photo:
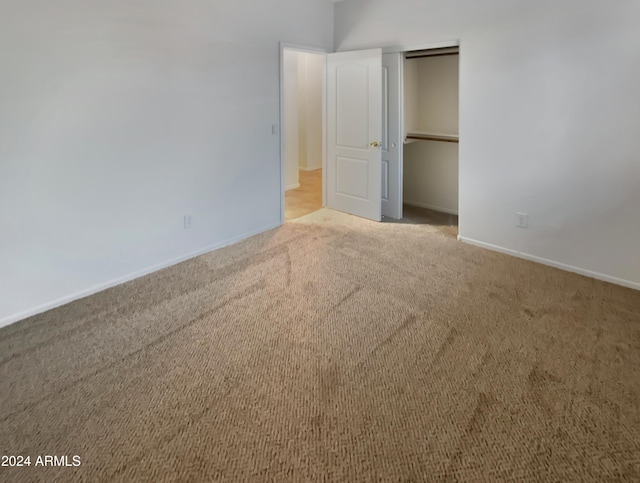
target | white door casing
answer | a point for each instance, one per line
(392, 142)
(354, 131)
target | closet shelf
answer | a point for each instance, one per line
(447, 138)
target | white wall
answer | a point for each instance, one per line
(410, 95)
(548, 120)
(311, 75)
(291, 117)
(120, 117)
(438, 88)
(430, 175)
(302, 110)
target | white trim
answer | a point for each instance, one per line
(302, 48)
(127, 278)
(401, 131)
(281, 129)
(431, 207)
(293, 187)
(313, 168)
(460, 128)
(552, 263)
(324, 132)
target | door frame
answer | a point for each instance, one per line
(308, 50)
(402, 49)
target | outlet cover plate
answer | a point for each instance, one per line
(522, 220)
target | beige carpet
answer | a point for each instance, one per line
(332, 349)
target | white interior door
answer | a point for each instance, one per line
(354, 131)
(392, 142)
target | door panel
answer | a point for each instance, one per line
(353, 176)
(354, 117)
(385, 107)
(391, 136)
(385, 181)
(352, 106)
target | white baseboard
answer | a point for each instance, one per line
(127, 278)
(292, 187)
(431, 207)
(552, 263)
(314, 168)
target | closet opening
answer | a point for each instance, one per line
(302, 131)
(431, 136)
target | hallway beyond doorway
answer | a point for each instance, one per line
(306, 199)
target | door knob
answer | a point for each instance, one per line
(375, 144)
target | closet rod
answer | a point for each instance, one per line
(432, 55)
(433, 137)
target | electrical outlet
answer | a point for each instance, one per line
(522, 220)
(187, 221)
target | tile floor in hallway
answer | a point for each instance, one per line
(306, 199)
